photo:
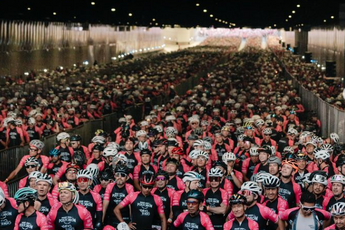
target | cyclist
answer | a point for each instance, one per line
(43, 184)
(145, 165)
(28, 217)
(338, 214)
(106, 178)
(66, 152)
(31, 165)
(8, 211)
(76, 145)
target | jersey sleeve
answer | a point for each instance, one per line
(298, 191)
(128, 199)
(98, 201)
(22, 161)
(176, 199)
(245, 165)
(61, 171)
(129, 188)
(4, 188)
(253, 225)
(42, 221)
(282, 205)
(51, 219)
(322, 214)
(206, 221)
(107, 192)
(45, 161)
(22, 183)
(285, 215)
(16, 223)
(159, 204)
(136, 171)
(55, 192)
(87, 219)
(179, 219)
(269, 214)
(225, 197)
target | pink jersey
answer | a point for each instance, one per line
(202, 219)
(40, 221)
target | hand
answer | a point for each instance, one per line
(131, 225)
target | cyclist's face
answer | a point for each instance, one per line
(273, 168)
(170, 168)
(96, 153)
(65, 196)
(263, 156)
(238, 210)
(309, 148)
(21, 207)
(32, 183)
(30, 169)
(201, 161)
(33, 151)
(194, 185)
(71, 175)
(129, 145)
(145, 158)
(104, 183)
(286, 170)
(192, 205)
(318, 188)
(120, 179)
(271, 193)
(42, 188)
(339, 221)
(83, 184)
(142, 138)
(301, 164)
(337, 188)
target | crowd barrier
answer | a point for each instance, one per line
(332, 119)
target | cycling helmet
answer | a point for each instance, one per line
(76, 137)
(251, 186)
(319, 178)
(158, 128)
(120, 168)
(338, 178)
(31, 161)
(254, 151)
(228, 156)
(85, 174)
(107, 175)
(274, 159)
(122, 226)
(292, 131)
(37, 144)
(203, 154)
(259, 122)
(207, 145)
(142, 145)
(215, 172)
(141, 133)
(120, 158)
(2, 198)
(25, 194)
(267, 131)
(170, 131)
(44, 177)
(62, 136)
(306, 178)
(334, 137)
(18, 122)
(98, 140)
(191, 176)
(145, 151)
(93, 169)
(194, 154)
(328, 147)
(54, 152)
(267, 149)
(109, 152)
(338, 209)
(238, 199)
(72, 166)
(147, 178)
(195, 194)
(34, 175)
(288, 150)
(271, 182)
(98, 147)
(31, 121)
(313, 143)
(113, 145)
(261, 176)
(198, 143)
(178, 151)
(321, 154)
(273, 150)
(290, 162)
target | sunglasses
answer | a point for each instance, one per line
(160, 178)
(120, 174)
(194, 123)
(192, 202)
(82, 179)
(217, 179)
(33, 150)
(106, 180)
(72, 171)
(308, 209)
(147, 187)
(30, 166)
(245, 192)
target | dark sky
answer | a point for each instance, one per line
(183, 12)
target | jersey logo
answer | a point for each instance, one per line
(191, 226)
(67, 220)
(26, 225)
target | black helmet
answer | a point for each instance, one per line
(238, 199)
(75, 137)
(79, 158)
(107, 174)
(121, 168)
(98, 147)
(341, 161)
(172, 161)
(196, 194)
(145, 151)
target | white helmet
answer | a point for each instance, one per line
(2, 198)
(334, 137)
(122, 226)
(85, 174)
(202, 154)
(159, 128)
(228, 156)
(327, 147)
(44, 177)
(109, 152)
(93, 168)
(98, 139)
(306, 178)
(170, 131)
(259, 122)
(338, 178)
(288, 149)
(261, 176)
(338, 209)
(198, 143)
(31, 121)
(119, 157)
(191, 176)
(62, 136)
(271, 182)
(194, 154)
(318, 178)
(207, 145)
(113, 145)
(34, 174)
(143, 145)
(140, 133)
(37, 143)
(215, 172)
(254, 151)
(267, 131)
(251, 186)
(292, 131)
(321, 154)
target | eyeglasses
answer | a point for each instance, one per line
(217, 179)
(307, 209)
(192, 202)
(30, 166)
(147, 186)
(160, 178)
(120, 174)
(33, 150)
(82, 179)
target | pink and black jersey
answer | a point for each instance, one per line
(176, 183)
(246, 224)
(36, 221)
(93, 203)
(47, 204)
(8, 214)
(199, 222)
(144, 209)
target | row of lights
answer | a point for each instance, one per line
(293, 12)
(138, 51)
(217, 19)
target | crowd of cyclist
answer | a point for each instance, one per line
(236, 152)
